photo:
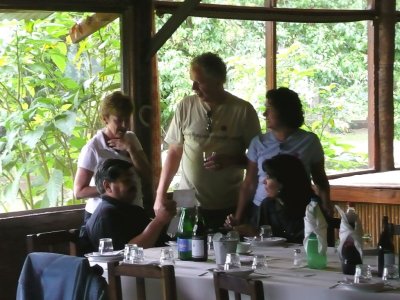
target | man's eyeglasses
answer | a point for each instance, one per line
(209, 121)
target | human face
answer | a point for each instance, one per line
(124, 188)
(116, 125)
(271, 115)
(272, 187)
(204, 86)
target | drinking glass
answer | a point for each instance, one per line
(390, 272)
(127, 251)
(137, 255)
(265, 232)
(362, 273)
(259, 263)
(207, 155)
(106, 246)
(232, 261)
(167, 256)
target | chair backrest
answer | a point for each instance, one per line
(54, 276)
(396, 229)
(224, 282)
(60, 241)
(165, 273)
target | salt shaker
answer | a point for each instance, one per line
(297, 257)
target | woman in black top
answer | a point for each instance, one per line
(289, 191)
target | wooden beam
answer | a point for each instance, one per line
(385, 43)
(90, 25)
(137, 29)
(270, 49)
(365, 194)
(66, 5)
(180, 15)
(269, 14)
(373, 89)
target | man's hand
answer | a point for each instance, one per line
(231, 221)
(166, 212)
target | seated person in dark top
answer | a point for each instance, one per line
(289, 192)
(116, 217)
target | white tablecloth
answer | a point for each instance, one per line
(284, 281)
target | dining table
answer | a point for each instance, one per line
(282, 280)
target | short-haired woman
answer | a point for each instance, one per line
(113, 141)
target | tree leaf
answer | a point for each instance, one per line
(54, 186)
(66, 122)
(31, 138)
(59, 61)
(11, 190)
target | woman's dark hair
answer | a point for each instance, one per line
(288, 106)
(211, 64)
(110, 170)
(296, 189)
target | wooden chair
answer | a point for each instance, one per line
(224, 282)
(54, 241)
(165, 273)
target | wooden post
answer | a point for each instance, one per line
(381, 60)
(137, 78)
(270, 49)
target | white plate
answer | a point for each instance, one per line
(97, 256)
(367, 287)
(240, 272)
(246, 259)
(246, 252)
(171, 244)
(272, 241)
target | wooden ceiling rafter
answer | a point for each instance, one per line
(64, 5)
(270, 14)
(90, 25)
(180, 14)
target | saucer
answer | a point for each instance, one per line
(248, 252)
(242, 272)
(366, 286)
(272, 241)
(105, 257)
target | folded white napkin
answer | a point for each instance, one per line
(314, 221)
(346, 230)
(183, 198)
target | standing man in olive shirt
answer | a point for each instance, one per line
(214, 122)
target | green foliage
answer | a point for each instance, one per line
(49, 108)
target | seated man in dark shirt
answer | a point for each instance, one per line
(116, 217)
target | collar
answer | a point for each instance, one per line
(114, 201)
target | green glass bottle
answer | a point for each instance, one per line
(315, 260)
(199, 238)
(184, 234)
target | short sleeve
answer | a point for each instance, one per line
(87, 158)
(252, 125)
(174, 133)
(317, 150)
(252, 150)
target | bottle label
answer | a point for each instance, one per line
(184, 245)
(388, 258)
(197, 248)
